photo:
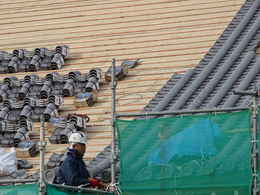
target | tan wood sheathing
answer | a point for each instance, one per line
(168, 35)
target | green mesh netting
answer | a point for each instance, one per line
(53, 190)
(25, 189)
(202, 154)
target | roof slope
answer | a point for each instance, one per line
(232, 63)
(169, 36)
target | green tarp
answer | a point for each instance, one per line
(205, 154)
(199, 154)
(25, 189)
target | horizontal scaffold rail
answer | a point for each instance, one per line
(7, 181)
(120, 115)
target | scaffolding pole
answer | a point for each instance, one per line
(77, 189)
(113, 113)
(15, 181)
(254, 137)
(146, 114)
(42, 151)
(254, 147)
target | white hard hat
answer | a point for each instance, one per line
(78, 137)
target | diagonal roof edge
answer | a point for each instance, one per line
(235, 34)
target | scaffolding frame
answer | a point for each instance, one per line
(254, 129)
(15, 181)
(115, 115)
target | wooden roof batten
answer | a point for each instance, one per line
(171, 37)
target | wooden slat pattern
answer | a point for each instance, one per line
(168, 35)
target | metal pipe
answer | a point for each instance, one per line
(78, 189)
(254, 137)
(7, 181)
(113, 151)
(42, 151)
(180, 112)
(254, 146)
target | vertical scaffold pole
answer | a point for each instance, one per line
(113, 153)
(255, 145)
(42, 151)
(254, 137)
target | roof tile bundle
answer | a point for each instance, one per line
(64, 127)
(16, 117)
(21, 60)
(26, 100)
(68, 85)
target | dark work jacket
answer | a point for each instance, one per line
(73, 171)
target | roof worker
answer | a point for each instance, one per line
(73, 171)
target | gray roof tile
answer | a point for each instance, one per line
(230, 64)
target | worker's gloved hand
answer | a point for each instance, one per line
(94, 182)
